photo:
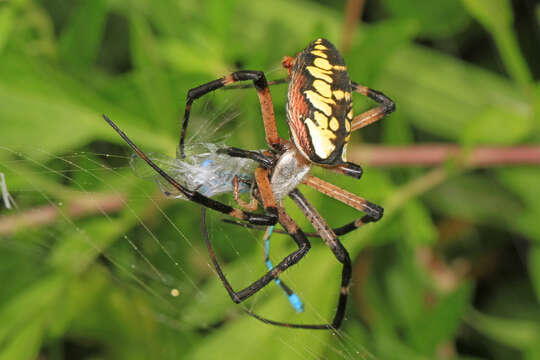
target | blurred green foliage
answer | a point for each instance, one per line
(452, 270)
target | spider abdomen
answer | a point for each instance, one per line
(319, 103)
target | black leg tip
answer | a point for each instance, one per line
(352, 170)
(373, 212)
(390, 107)
(345, 229)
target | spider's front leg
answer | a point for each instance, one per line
(366, 118)
(387, 106)
(264, 160)
(263, 92)
(270, 218)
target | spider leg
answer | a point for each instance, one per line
(341, 255)
(294, 299)
(270, 218)
(263, 91)
(248, 86)
(252, 205)
(266, 196)
(263, 228)
(265, 190)
(294, 231)
(387, 106)
(349, 169)
(342, 230)
(373, 212)
(265, 161)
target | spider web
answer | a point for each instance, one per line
(126, 227)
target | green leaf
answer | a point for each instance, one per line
(7, 17)
(497, 126)
(441, 95)
(38, 100)
(418, 225)
(532, 353)
(515, 333)
(26, 342)
(440, 324)
(493, 14)
(192, 58)
(473, 198)
(375, 45)
(497, 17)
(80, 41)
(319, 301)
(534, 268)
(523, 181)
(404, 289)
(441, 18)
(152, 81)
(30, 304)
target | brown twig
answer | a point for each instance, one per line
(79, 207)
(429, 155)
(373, 155)
(353, 14)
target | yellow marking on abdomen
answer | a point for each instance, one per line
(321, 139)
(320, 102)
(321, 119)
(338, 94)
(344, 153)
(320, 47)
(319, 53)
(334, 124)
(322, 64)
(322, 88)
(320, 74)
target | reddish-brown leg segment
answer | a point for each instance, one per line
(373, 212)
(265, 190)
(369, 117)
(263, 92)
(252, 205)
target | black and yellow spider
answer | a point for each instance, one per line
(320, 119)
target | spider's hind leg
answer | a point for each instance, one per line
(341, 255)
(373, 211)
